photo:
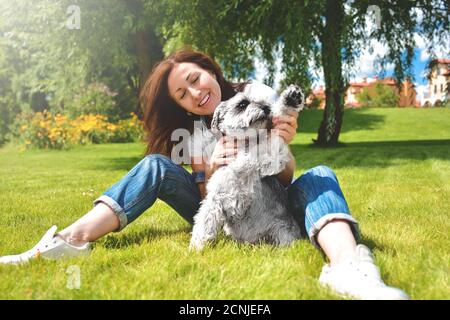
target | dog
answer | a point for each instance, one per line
(245, 198)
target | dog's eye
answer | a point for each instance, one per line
(243, 104)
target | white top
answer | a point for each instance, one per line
(203, 140)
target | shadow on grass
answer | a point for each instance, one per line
(371, 154)
(137, 238)
(123, 163)
(353, 154)
(400, 143)
(129, 239)
(354, 120)
(372, 245)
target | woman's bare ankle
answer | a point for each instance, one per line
(95, 224)
(73, 239)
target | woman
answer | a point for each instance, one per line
(188, 86)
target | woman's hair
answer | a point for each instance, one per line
(162, 115)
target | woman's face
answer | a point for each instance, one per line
(194, 89)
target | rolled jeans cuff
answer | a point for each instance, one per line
(322, 222)
(116, 208)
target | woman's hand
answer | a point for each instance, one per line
(224, 153)
(286, 126)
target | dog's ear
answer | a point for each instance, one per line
(218, 117)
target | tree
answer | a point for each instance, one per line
(326, 33)
(116, 45)
(120, 40)
(381, 96)
(8, 109)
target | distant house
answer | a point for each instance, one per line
(407, 92)
(317, 98)
(355, 88)
(438, 80)
(407, 95)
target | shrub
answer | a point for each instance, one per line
(315, 103)
(96, 98)
(128, 130)
(45, 130)
(92, 128)
(381, 96)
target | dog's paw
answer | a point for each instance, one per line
(293, 97)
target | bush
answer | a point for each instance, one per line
(96, 98)
(129, 130)
(45, 130)
(381, 96)
(315, 103)
(92, 128)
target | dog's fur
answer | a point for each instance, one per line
(245, 197)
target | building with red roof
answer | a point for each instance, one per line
(438, 82)
(407, 92)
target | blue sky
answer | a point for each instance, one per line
(365, 66)
(418, 68)
(419, 65)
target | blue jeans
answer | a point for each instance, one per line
(315, 198)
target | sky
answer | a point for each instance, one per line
(365, 65)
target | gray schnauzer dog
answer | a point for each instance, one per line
(245, 198)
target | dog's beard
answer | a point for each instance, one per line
(256, 124)
(262, 122)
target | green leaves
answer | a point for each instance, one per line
(48, 57)
(381, 96)
(120, 40)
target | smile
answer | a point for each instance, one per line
(204, 101)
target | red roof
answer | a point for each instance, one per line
(388, 81)
(443, 60)
(318, 92)
(359, 84)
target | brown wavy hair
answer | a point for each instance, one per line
(162, 115)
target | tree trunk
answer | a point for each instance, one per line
(330, 126)
(148, 51)
(146, 46)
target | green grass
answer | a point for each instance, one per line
(394, 168)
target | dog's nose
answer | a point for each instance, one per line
(266, 110)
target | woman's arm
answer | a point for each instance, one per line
(198, 165)
(285, 176)
(286, 128)
(224, 153)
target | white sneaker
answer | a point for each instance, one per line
(49, 247)
(359, 277)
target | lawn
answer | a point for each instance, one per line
(394, 168)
